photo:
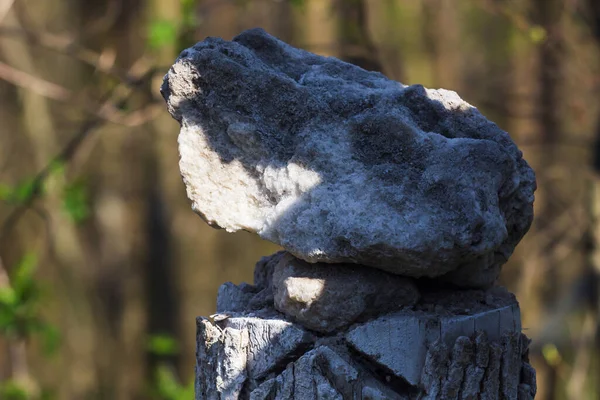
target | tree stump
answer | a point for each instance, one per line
(450, 344)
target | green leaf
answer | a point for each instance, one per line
(50, 339)
(162, 345)
(24, 191)
(7, 320)
(188, 14)
(75, 201)
(187, 392)
(22, 277)
(50, 394)
(166, 383)
(297, 3)
(162, 33)
(6, 192)
(8, 297)
(537, 34)
(551, 354)
(10, 390)
(57, 167)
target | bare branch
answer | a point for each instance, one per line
(60, 93)
(113, 99)
(5, 6)
(68, 46)
(33, 83)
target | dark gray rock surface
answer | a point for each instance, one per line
(337, 164)
(326, 298)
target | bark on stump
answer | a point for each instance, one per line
(452, 344)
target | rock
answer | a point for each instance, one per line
(263, 270)
(400, 342)
(340, 165)
(326, 298)
(245, 297)
(235, 298)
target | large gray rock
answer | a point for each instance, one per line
(338, 164)
(326, 298)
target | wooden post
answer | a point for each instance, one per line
(453, 344)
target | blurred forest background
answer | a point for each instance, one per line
(104, 266)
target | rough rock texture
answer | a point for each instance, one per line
(326, 298)
(338, 164)
(245, 297)
(253, 357)
(320, 298)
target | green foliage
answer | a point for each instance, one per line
(20, 304)
(5, 192)
(169, 388)
(75, 201)
(166, 386)
(551, 354)
(11, 390)
(162, 33)
(74, 194)
(298, 3)
(57, 167)
(188, 14)
(162, 345)
(537, 34)
(19, 194)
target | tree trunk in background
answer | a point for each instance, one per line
(386, 20)
(546, 13)
(594, 15)
(65, 247)
(319, 28)
(441, 35)
(356, 45)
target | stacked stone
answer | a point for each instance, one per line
(396, 206)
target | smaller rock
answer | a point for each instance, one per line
(245, 297)
(234, 298)
(263, 271)
(326, 297)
